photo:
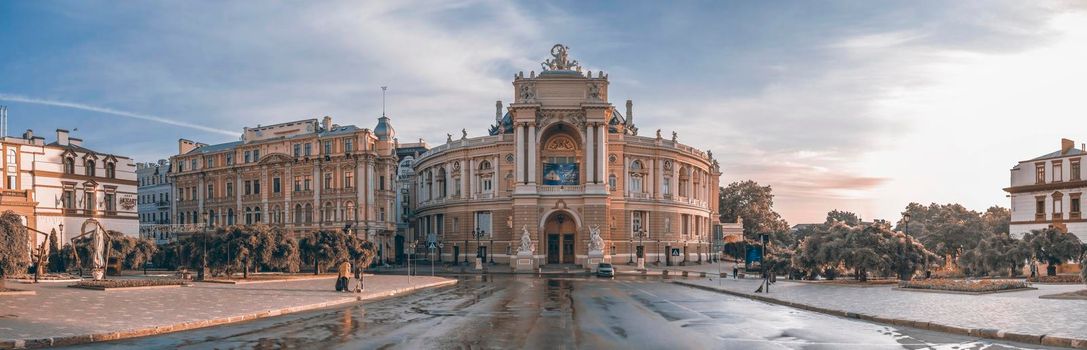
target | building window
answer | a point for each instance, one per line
(180, 166)
(275, 185)
(209, 162)
(1075, 175)
(328, 181)
(349, 211)
(256, 155)
(667, 186)
(68, 199)
(1039, 173)
(111, 170)
(229, 159)
(247, 156)
(12, 156)
(306, 180)
(381, 214)
(686, 222)
(348, 179)
(1058, 173)
(12, 182)
(328, 147)
(298, 216)
(211, 191)
(348, 145)
(381, 183)
(256, 186)
(247, 189)
(483, 222)
(89, 201)
(611, 182)
(308, 149)
(248, 216)
(297, 183)
(297, 150)
(229, 189)
(637, 220)
(192, 164)
(308, 211)
(256, 215)
(89, 167)
(326, 212)
(1074, 205)
(1039, 207)
(1058, 206)
(667, 225)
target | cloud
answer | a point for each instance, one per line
(139, 116)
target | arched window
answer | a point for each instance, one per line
(111, 170)
(308, 211)
(484, 165)
(636, 176)
(230, 216)
(684, 179)
(611, 182)
(256, 215)
(441, 183)
(211, 217)
(248, 216)
(328, 212)
(298, 215)
(12, 157)
(349, 211)
(89, 167)
(69, 165)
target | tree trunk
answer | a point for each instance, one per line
(1051, 270)
(245, 273)
(316, 267)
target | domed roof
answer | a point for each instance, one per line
(384, 130)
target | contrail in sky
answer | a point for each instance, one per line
(86, 107)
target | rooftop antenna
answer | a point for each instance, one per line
(383, 88)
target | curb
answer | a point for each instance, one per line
(184, 326)
(988, 333)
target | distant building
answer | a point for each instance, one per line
(155, 206)
(302, 176)
(65, 183)
(1047, 191)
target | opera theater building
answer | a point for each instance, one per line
(564, 178)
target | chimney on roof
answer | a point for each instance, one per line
(326, 123)
(75, 142)
(1067, 145)
(28, 135)
(62, 137)
(630, 112)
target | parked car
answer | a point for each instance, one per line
(605, 270)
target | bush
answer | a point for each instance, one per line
(966, 285)
(132, 283)
(14, 252)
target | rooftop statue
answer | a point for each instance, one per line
(560, 60)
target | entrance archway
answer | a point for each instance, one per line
(560, 233)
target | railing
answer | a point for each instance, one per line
(475, 141)
(560, 189)
(14, 193)
(638, 195)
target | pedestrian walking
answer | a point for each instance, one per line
(735, 271)
(358, 278)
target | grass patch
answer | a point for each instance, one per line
(955, 285)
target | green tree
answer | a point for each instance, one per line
(14, 246)
(56, 257)
(1053, 247)
(755, 204)
(286, 255)
(324, 248)
(845, 217)
(997, 255)
(948, 229)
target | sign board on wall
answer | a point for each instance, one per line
(555, 174)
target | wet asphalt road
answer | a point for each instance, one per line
(525, 312)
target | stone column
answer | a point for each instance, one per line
(602, 151)
(532, 153)
(590, 169)
(318, 181)
(265, 186)
(464, 179)
(519, 141)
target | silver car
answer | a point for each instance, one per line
(605, 270)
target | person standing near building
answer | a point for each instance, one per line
(358, 278)
(343, 277)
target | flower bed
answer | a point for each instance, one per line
(130, 283)
(978, 286)
(1058, 279)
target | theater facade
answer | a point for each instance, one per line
(559, 163)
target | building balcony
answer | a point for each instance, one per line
(560, 189)
(638, 195)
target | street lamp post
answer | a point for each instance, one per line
(630, 245)
(490, 254)
(658, 252)
(204, 257)
(902, 250)
(479, 233)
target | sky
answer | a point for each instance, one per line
(850, 105)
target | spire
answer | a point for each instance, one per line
(630, 112)
(384, 129)
(383, 88)
(498, 112)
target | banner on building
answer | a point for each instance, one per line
(556, 174)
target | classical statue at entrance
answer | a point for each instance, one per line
(526, 242)
(596, 243)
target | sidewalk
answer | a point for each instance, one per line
(59, 315)
(1016, 316)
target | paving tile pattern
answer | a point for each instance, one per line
(58, 311)
(1019, 312)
